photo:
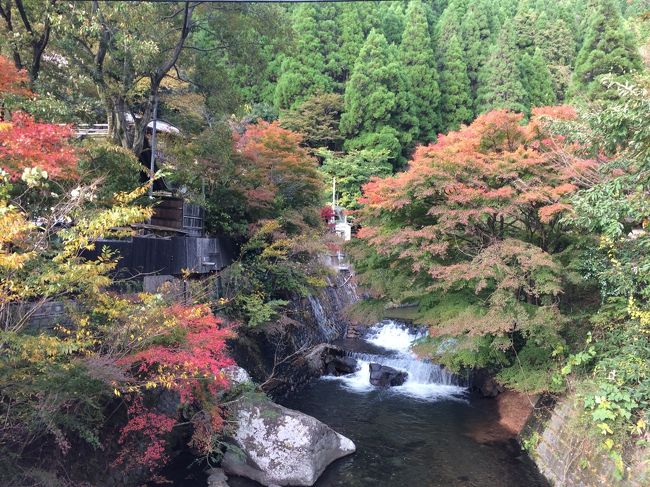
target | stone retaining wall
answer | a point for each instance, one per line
(566, 454)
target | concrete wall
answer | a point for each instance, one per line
(567, 455)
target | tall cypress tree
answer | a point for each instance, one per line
(417, 57)
(352, 37)
(456, 97)
(607, 47)
(536, 80)
(391, 17)
(375, 110)
(557, 44)
(303, 73)
(476, 34)
(450, 21)
(524, 25)
(500, 85)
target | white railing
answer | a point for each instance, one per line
(94, 130)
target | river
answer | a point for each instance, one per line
(425, 433)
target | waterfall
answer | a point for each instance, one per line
(420, 372)
(324, 324)
(426, 380)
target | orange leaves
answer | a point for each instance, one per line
(25, 143)
(479, 210)
(547, 213)
(276, 170)
(496, 167)
(12, 81)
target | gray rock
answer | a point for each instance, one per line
(236, 374)
(384, 376)
(341, 366)
(217, 478)
(280, 446)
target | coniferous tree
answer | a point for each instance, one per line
(557, 44)
(352, 37)
(456, 96)
(536, 79)
(450, 21)
(607, 47)
(524, 25)
(304, 73)
(375, 109)
(476, 34)
(500, 85)
(417, 57)
(391, 18)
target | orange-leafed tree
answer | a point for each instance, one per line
(276, 171)
(479, 212)
(12, 80)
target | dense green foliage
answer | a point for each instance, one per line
(520, 236)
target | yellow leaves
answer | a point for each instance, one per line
(640, 427)
(14, 229)
(637, 313)
(124, 198)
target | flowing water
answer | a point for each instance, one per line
(420, 434)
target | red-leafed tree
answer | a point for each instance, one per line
(480, 210)
(25, 143)
(190, 361)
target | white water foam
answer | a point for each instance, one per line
(426, 381)
(394, 336)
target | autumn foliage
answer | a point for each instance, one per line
(277, 172)
(190, 362)
(12, 81)
(481, 209)
(26, 143)
(193, 366)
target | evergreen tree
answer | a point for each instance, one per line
(450, 21)
(456, 98)
(391, 16)
(607, 47)
(557, 44)
(536, 80)
(524, 25)
(417, 57)
(303, 73)
(476, 33)
(352, 37)
(500, 85)
(375, 109)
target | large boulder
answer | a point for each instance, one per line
(341, 366)
(280, 446)
(384, 376)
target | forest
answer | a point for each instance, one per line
(491, 156)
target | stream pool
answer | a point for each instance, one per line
(422, 434)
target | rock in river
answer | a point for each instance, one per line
(280, 446)
(341, 366)
(384, 376)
